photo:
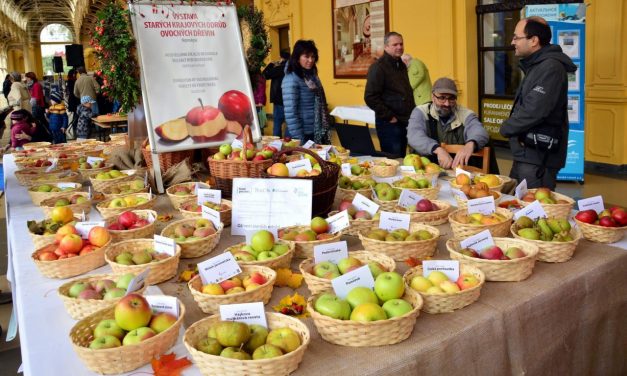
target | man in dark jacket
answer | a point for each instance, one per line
(538, 124)
(275, 71)
(389, 94)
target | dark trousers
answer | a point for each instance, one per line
(278, 118)
(537, 176)
(392, 137)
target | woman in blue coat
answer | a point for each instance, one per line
(304, 102)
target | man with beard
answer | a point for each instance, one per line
(444, 121)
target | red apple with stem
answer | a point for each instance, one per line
(236, 107)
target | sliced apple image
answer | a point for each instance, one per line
(173, 130)
(206, 123)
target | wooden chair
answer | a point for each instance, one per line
(483, 153)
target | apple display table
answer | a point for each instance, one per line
(354, 113)
(564, 319)
(109, 124)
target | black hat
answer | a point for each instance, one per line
(19, 115)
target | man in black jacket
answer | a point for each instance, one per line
(275, 71)
(389, 94)
(538, 124)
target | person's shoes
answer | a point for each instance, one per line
(5, 298)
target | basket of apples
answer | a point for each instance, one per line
(263, 250)
(44, 232)
(70, 255)
(125, 188)
(347, 188)
(125, 336)
(429, 212)
(554, 204)
(179, 193)
(78, 202)
(39, 193)
(235, 348)
(386, 196)
(196, 236)
(318, 276)
(419, 242)
(86, 295)
(465, 225)
(606, 227)
(505, 261)
(361, 320)
(440, 293)
(25, 177)
(68, 161)
(132, 224)
(135, 255)
(358, 219)
(421, 186)
(191, 209)
(87, 169)
(384, 167)
(493, 182)
(114, 206)
(305, 238)
(104, 180)
(422, 167)
(254, 284)
(555, 238)
(39, 165)
(64, 177)
(473, 191)
(36, 145)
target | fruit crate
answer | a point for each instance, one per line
(402, 250)
(160, 271)
(73, 266)
(553, 251)
(195, 248)
(282, 261)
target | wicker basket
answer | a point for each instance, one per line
(97, 152)
(556, 210)
(496, 188)
(402, 250)
(24, 177)
(87, 173)
(69, 163)
(36, 145)
(124, 358)
(356, 225)
(48, 205)
(101, 185)
(303, 250)
(387, 170)
(106, 211)
(463, 204)
(195, 248)
(385, 205)
(211, 303)
(37, 197)
(444, 302)
(40, 241)
(160, 271)
(211, 365)
(70, 267)
(553, 251)
(81, 308)
(601, 234)
(500, 270)
(225, 215)
(167, 160)
(283, 261)
(138, 233)
(362, 334)
(463, 230)
(107, 195)
(66, 177)
(317, 285)
(177, 200)
(343, 194)
(428, 193)
(432, 218)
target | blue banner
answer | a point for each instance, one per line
(574, 157)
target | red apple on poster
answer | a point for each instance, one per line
(205, 123)
(236, 107)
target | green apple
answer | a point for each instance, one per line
(280, 249)
(348, 264)
(44, 188)
(232, 334)
(117, 203)
(103, 176)
(266, 255)
(258, 335)
(115, 174)
(437, 277)
(114, 293)
(262, 240)
(284, 338)
(360, 295)
(141, 257)
(124, 258)
(108, 327)
(226, 149)
(124, 280)
(267, 352)
(105, 342)
(396, 307)
(209, 346)
(326, 269)
(332, 306)
(132, 312)
(77, 288)
(135, 336)
(367, 312)
(376, 269)
(235, 353)
(389, 285)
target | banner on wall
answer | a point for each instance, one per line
(574, 157)
(494, 112)
(195, 86)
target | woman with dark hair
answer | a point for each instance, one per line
(6, 87)
(305, 104)
(72, 101)
(38, 103)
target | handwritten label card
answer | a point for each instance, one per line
(483, 205)
(408, 198)
(53, 166)
(333, 252)
(323, 153)
(392, 221)
(478, 241)
(209, 195)
(212, 215)
(408, 169)
(137, 282)
(521, 189)
(218, 268)
(237, 144)
(83, 228)
(448, 267)
(459, 171)
(533, 211)
(63, 185)
(301, 164)
(277, 144)
(343, 284)
(338, 222)
(361, 202)
(163, 244)
(595, 203)
(248, 313)
(434, 181)
(92, 160)
(163, 303)
(309, 144)
(458, 193)
(346, 169)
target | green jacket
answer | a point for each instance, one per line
(420, 81)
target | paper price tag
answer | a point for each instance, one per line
(218, 269)
(55, 162)
(83, 228)
(301, 164)
(163, 304)
(595, 203)
(333, 252)
(324, 153)
(478, 241)
(237, 144)
(309, 144)
(66, 185)
(89, 192)
(533, 211)
(249, 234)
(521, 189)
(338, 222)
(212, 215)
(208, 195)
(458, 193)
(249, 313)
(150, 218)
(408, 198)
(389, 179)
(459, 171)
(434, 181)
(278, 144)
(361, 202)
(343, 284)
(346, 169)
(448, 267)
(409, 169)
(392, 221)
(163, 244)
(137, 282)
(92, 160)
(483, 205)
(83, 217)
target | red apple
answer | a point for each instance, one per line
(71, 243)
(128, 219)
(132, 312)
(47, 256)
(607, 222)
(587, 216)
(424, 205)
(492, 253)
(139, 224)
(620, 216)
(236, 106)
(116, 226)
(205, 124)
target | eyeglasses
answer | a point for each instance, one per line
(516, 37)
(445, 99)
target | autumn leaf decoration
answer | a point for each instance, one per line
(168, 365)
(285, 277)
(294, 305)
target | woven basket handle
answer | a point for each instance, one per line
(277, 156)
(248, 137)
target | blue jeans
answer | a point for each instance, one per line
(392, 137)
(278, 118)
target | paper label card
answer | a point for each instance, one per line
(478, 241)
(361, 202)
(301, 164)
(595, 203)
(324, 153)
(137, 282)
(333, 252)
(459, 171)
(533, 211)
(163, 304)
(346, 169)
(343, 284)
(374, 193)
(483, 205)
(83, 217)
(237, 144)
(150, 218)
(92, 160)
(249, 234)
(89, 192)
(408, 198)
(458, 193)
(521, 189)
(209, 195)
(83, 228)
(448, 267)
(248, 313)
(277, 144)
(218, 268)
(392, 221)
(163, 244)
(146, 182)
(409, 169)
(55, 162)
(338, 222)
(388, 179)
(308, 144)
(211, 214)
(66, 185)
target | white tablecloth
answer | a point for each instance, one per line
(354, 113)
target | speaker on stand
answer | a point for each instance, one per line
(74, 55)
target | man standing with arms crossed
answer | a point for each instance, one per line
(538, 124)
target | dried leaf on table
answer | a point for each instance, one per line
(413, 262)
(293, 305)
(168, 365)
(187, 275)
(285, 277)
(165, 217)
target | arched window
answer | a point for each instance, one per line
(53, 39)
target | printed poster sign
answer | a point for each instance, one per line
(493, 113)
